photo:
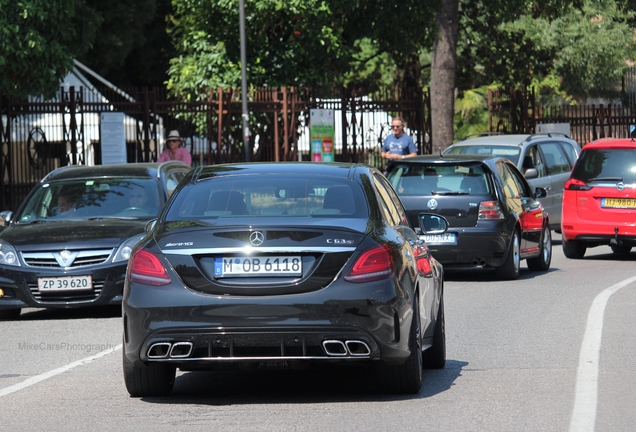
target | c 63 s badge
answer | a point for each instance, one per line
(339, 241)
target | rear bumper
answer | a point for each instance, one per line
(599, 232)
(372, 318)
(474, 249)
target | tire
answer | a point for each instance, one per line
(510, 268)
(156, 379)
(435, 356)
(542, 262)
(573, 249)
(9, 314)
(407, 377)
(621, 249)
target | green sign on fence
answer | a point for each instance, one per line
(322, 130)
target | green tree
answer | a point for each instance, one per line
(298, 42)
(586, 47)
(567, 53)
(39, 40)
(132, 46)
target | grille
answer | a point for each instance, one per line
(50, 259)
(66, 296)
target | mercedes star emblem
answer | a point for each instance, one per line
(257, 238)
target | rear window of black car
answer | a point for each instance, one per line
(602, 164)
(272, 195)
(430, 179)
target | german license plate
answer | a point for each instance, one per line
(258, 266)
(618, 202)
(440, 239)
(65, 283)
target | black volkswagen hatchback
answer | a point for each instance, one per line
(68, 244)
(285, 264)
(495, 219)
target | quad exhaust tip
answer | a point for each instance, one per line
(337, 348)
(161, 350)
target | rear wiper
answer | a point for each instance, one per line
(449, 193)
(616, 179)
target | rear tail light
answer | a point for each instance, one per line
(374, 264)
(575, 184)
(146, 268)
(423, 259)
(489, 210)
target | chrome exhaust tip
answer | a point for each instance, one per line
(334, 348)
(358, 348)
(159, 350)
(181, 350)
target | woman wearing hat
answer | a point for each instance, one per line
(174, 150)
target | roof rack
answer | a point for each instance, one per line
(548, 134)
(481, 134)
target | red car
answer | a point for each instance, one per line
(599, 201)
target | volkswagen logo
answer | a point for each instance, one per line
(432, 204)
(620, 186)
(257, 238)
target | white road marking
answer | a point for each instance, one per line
(36, 379)
(584, 412)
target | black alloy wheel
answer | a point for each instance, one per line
(510, 268)
(542, 262)
(407, 377)
(573, 249)
(435, 356)
(155, 379)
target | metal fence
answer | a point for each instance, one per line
(514, 111)
(38, 136)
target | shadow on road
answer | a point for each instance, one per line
(96, 312)
(320, 385)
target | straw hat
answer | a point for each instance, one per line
(174, 135)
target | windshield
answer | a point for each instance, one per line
(275, 195)
(510, 153)
(80, 199)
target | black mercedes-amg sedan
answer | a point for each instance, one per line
(282, 264)
(68, 244)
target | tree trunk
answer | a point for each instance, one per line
(443, 75)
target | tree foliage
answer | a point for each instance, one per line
(38, 41)
(585, 44)
(132, 46)
(298, 42)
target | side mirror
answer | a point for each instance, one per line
(540, 192)
(432, 223)
(5, 217)
(531, 173)
(150, 225)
